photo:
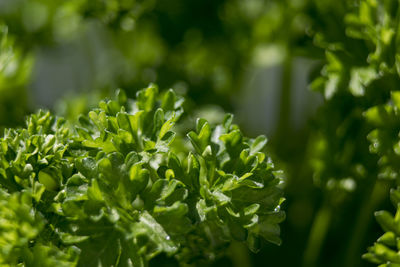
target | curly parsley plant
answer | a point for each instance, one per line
(117, 188)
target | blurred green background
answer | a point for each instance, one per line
(253, 58)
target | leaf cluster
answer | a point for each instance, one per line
(116, 188)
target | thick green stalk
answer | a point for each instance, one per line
(239, 255)
(317, 236)
(373, 195)
(285, 100)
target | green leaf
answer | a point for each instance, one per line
(386, 220)
(201, 140)
(139, 177)
(156, 233)
(49, 180)
(168, 102)
(258, 144)
(147, 98)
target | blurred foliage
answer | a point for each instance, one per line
(360, 74)
(385, 143)
(15, 69)
(129, 43)
(155, 41)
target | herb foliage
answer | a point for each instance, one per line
(117, 188)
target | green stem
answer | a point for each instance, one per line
(317, 236)
(283, 124)
(373, 195)
(239, 255)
